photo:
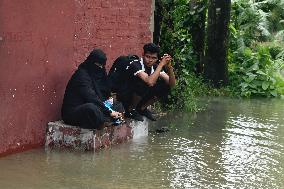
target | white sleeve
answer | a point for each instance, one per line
(138, 72)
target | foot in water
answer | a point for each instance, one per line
(162, 130)
(147, 114)
(134, 115)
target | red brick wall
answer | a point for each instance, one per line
(116, 26)
(42, 42)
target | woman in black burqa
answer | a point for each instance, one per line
(85, 93)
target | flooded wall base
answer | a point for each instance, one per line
(60, 135)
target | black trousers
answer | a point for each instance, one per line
(160, 90)
(87, 116)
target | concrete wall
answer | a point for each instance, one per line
(42, 42)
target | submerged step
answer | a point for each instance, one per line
(61, 135)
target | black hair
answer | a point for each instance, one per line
(151, 48)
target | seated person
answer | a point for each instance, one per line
(86, 91)
(146, 82)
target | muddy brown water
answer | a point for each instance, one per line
(232, 144)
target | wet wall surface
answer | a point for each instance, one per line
(42, 43)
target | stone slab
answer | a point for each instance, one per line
(61, 135)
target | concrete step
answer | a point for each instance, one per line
(61, 135)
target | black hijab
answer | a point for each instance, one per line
(95, 66)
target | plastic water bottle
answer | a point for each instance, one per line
(109, 103)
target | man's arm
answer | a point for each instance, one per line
(152, 79)
(169, 77)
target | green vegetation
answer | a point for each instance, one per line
(174, 30)
(256, 47)
(255, 55)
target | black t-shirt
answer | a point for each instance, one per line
(131, 82)
(138, 66)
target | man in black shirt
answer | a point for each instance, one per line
(148, 81)
(86, 91)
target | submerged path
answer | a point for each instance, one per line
(232, 144)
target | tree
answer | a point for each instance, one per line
(198, 9)
(216, 66)
(162, 19)
(158, 17)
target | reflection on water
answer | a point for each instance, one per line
(233, 144)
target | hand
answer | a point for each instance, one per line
(115, 114)
(166, 59)
(169, 66)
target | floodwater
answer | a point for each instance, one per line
(232, 144)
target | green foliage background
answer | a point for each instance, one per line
(176, 40)
(255, 54)
(256, 48)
